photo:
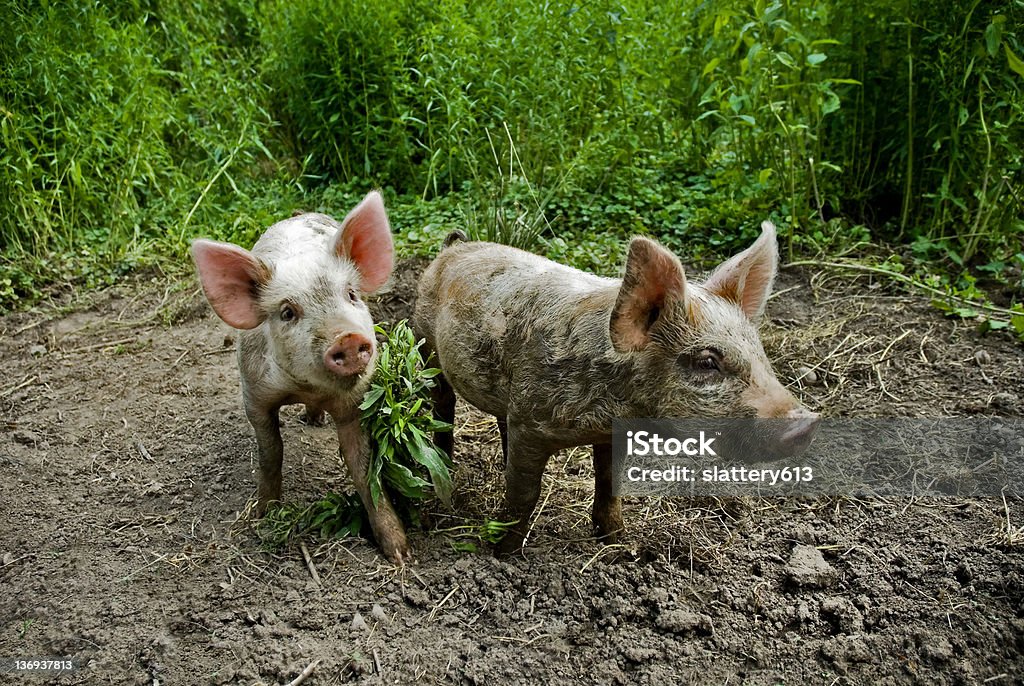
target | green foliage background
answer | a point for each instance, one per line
(126, 128)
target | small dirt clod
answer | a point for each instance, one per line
(684, 621)
(807, 568)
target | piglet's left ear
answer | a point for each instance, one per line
(746, 279)
(365, 238)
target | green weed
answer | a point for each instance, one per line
(467, 537)
(333, 516)
(396, 414)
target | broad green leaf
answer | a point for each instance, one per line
(816, 58)
(1015, 62)
(964, 312)
(710, 66)
(322, 517)
(830, 104)
(374, 479)
(428, 456)
(992, 325)
(401, 479)
(371, 397)
(994, 267)
(785, 59)
(753, 52)
(436, 425)
(994, 34)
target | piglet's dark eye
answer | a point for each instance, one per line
(708, 360)
(352, 295)
(287, 313)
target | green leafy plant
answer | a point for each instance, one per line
(336, 515)
(464, 538)
(396, 415)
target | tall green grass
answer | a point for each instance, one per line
(128, 127)
(929, 137)
(124, 128)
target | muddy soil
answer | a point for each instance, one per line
(124, 543)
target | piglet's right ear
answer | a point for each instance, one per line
(231, 278)
(653, 277)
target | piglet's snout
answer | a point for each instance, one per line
(800, 429)
(349, 354)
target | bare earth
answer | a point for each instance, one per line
(124, 542)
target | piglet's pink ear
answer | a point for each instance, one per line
(746, 279)
(653, 277)
(231, 278)
(365, 238)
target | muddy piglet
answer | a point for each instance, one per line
(556, 354)
(306, 335)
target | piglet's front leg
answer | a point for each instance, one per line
(266, 425)
(387, 528)
(524, 470)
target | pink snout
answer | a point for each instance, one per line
(349, 354)
(800, 430)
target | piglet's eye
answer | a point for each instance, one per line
(287, 313)
(352, 295)
(709, 360)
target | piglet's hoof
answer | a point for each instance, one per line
(399, 554)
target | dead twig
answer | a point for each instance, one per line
(599, 553)
(105, 344)
(444, 600)
(159, 558)
(180, 358)
(885, 353)
(31, 325)
(142, 451)
(304, 675)
(309, 564)
(418, 577)
(376, 663)
(27, 382)
(1012, 537)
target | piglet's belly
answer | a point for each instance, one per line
(483, 391)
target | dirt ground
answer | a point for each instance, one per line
(124, 544)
